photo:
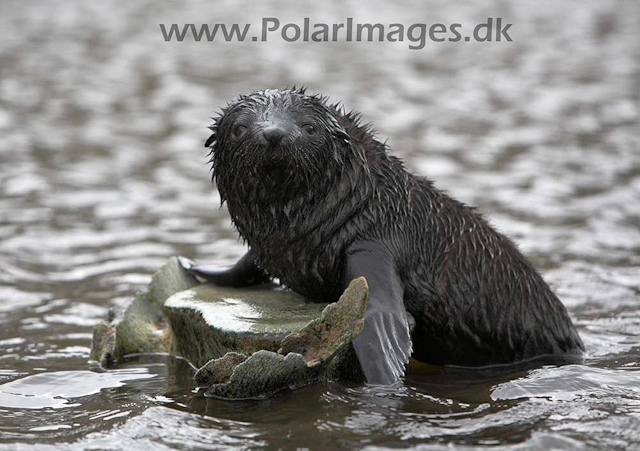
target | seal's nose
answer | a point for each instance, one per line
(273, 135)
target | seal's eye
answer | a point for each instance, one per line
(239, 131)
(309, 129)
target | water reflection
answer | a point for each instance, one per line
(54, 389)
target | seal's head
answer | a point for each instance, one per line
(272, 145)
(292, 167)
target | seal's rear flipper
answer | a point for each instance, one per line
(384, 345)
(244, 273)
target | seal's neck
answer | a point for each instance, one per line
(312, 214)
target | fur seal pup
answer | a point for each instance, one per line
(320, 202)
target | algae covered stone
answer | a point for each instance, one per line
(248, 343)
(141, 328)
(209, 321)
(338, 324)
(263, 374)
(319, 352)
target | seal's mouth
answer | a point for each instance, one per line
(276, 173)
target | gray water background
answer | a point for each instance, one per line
(103, 178)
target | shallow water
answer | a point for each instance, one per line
(103, 177)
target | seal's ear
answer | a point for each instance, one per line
(342, 134)
(211, 140)
(338, 130)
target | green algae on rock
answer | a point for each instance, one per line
(249, 342)
(264, 374)
(141, 327)
(338, 324)
(320, 351)
(208, 321)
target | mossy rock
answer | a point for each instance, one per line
(249, 343)
(142, 327)
(209, 321)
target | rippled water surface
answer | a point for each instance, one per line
(103, 178)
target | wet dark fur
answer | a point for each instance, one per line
(476, 299)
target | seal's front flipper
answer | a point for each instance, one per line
(384, 345)
(244, 273)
